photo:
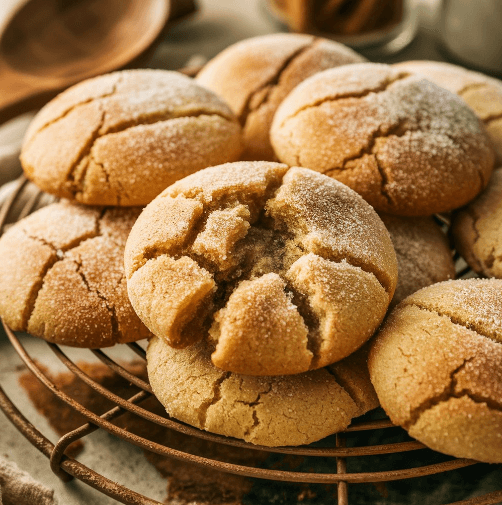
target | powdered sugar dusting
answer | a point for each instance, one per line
(427, 147)
(474, 303)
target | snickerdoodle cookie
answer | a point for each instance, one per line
(406, 145)
(121, 138)
(62, 276)
(437, 367)
(255, 75)
(423, 253)
(482, 93)
(282, 270)
(270, 411)
(477, 230)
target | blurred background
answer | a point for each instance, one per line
(48, 45)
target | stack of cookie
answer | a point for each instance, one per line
(62, 274)
(264, 280)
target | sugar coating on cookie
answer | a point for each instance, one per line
(121, 138)
(406, 145)
(254, 75)
(282, 270)
(477, 230)
(269, 411)
(483, 94)
(62, 276)
(437, 367)
(423, 254)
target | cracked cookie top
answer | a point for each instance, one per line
(436, 366)
(423, 254)
(270, 411)
(477, 230)
(483, 94)
(62, 276)
(282, 270)
(406, 145)
(121, 138)
(255, 75)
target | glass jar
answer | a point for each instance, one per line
(471, 33)
(376, 28)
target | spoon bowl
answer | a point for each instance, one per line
(49, 45)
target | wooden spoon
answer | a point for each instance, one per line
(49, 45)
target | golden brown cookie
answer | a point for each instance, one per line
(482, 93)
(477, 230)
(255, 75)
(406, 145)
(121, 138)
(282, 269)
(270, 411)
(423, 254)
(436, 366)
(62, 276)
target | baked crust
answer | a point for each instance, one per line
(477, 230)
(270, 411)
(483, 94)
(255, 75)
(282, 269)
(406, 145)
(423, 254)
(121, 138)
(62, 276)
(436, 366)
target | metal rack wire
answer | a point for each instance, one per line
(67, 468)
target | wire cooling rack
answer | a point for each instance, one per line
(67, 467)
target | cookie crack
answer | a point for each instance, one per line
(271, 83)
(215, 398)
(468, 326)
(400, 129)
(71, 180)
(256, 422)
(344, 385)
(384, 182)
(73, 107)
(110, 307)
(448, 393)
(257, 400)
(60, 254)
(311, 319)
(492, 117)
(355, 262)
(75, 184)
(470, 87)
(354, 94)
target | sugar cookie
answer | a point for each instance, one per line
(437, 367)
(121, 138)
(284, 270)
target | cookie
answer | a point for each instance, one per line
(477, 230)
(282, 270)
(62, 276)
(437, 367)
(483, 94)
(406, 145)
(423, 254)
(121, 138)
(255, 75)
(270, 411)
